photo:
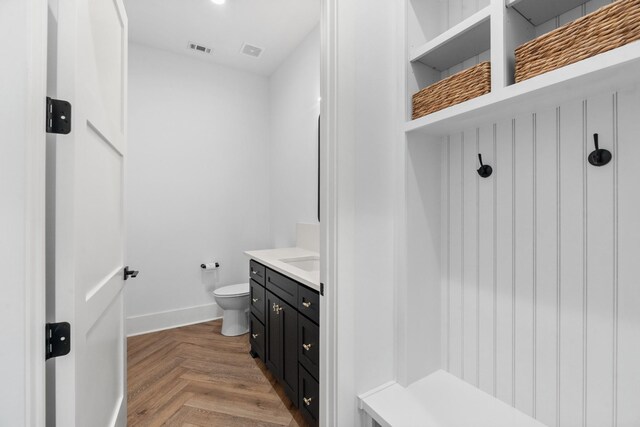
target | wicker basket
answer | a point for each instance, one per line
(460, 87)
(605, 29)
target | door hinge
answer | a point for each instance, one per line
(58, 116)
(321, 288)
(57, 339)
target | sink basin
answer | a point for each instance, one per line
(310, 264)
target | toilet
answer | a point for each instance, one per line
(234, 300)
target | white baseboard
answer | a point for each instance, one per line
(138, 325)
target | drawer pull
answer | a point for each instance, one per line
(255, 273)
(279, 309)
(275, 307)
(306, 347)
(307, 400)
(255, 300)
(255, 336)
(307, 304)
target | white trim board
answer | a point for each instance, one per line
(328, 225)
(35, 43)
(153, 322)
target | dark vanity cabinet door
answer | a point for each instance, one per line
(274, 347)
(308, 345)
(282, 344)
(258, 302)
(257, 337)
(309, 403)
(289, 318)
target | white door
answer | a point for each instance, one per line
(91, 73)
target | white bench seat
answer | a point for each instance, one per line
(440, 400)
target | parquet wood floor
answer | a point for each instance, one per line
(194, 376)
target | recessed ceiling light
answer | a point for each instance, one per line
(218, 1)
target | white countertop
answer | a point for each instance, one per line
(272, 258)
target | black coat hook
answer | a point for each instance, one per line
(600, 156)
(484, 171)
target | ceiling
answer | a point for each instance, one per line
(277, 26)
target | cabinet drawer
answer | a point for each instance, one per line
(308, 345)
(257, 272)
(283, 287)
(309, 303)
(309, 394)
(257, 336)
(258, 301)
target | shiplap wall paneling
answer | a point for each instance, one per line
(525, 151)
(445, 252)
(542, 262)
(570, 16)
(459, 10)
(454, 11)
(505, 260)
(456, 264)
(486, 145)
(428, 19)
(627, 326)
(599, 118)
(422, 23)
(484, 56)
(572, 264)
(545, 298)
(470, 257)
(469, 7)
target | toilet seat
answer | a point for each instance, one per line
(240, 289)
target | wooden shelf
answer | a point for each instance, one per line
(463, 41)
(608, 71)
(440, 400)
(540, 11)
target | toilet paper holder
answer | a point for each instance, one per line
(210, 266)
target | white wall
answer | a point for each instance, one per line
(361, 112)
(22, 149)
(294, 91)
(197, 187)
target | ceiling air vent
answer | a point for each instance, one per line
(250, 50)
(199, 48)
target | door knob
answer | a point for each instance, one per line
(307, 401)
(307, 347)
(307, 304)
(130, 273)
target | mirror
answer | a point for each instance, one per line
(318, 168)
